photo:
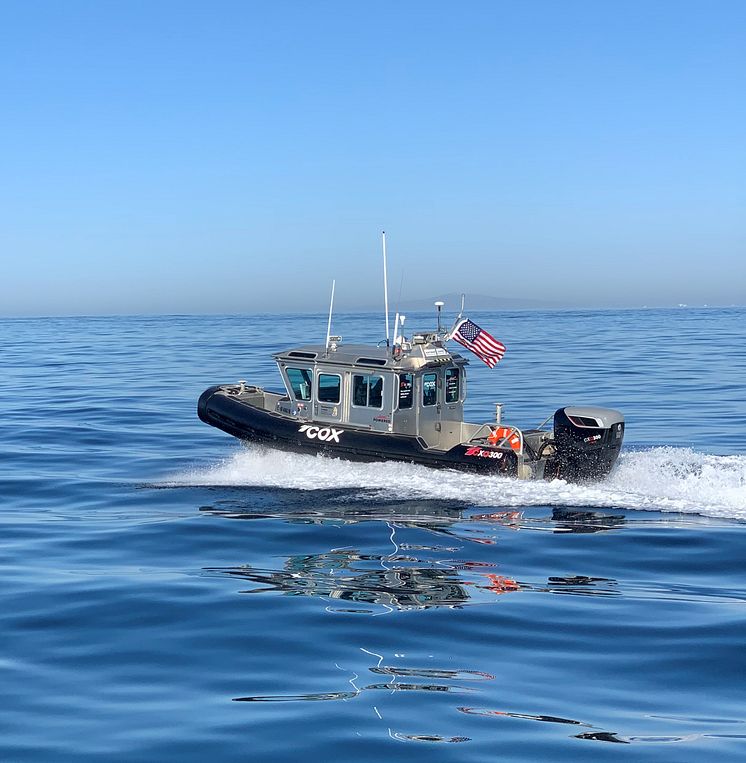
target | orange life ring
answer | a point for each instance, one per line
(507, 434)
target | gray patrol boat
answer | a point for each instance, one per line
(406, 403)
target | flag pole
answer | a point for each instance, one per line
(449, 335)
(461, 311)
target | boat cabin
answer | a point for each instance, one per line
(415, 390)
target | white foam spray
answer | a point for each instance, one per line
(656, 479)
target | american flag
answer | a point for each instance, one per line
(482, 344)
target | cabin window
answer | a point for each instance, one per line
(300, 382)
(429, 389)
(453, 377)
(406, 388)
(328, 388)
(367, 391)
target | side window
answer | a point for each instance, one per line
(360, 390)
(453, 377)
(406, 389)
(300, 382)
(429, 389)
(367, 391)
(375, 395)
(328, 389)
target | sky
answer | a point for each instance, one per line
(230, 157)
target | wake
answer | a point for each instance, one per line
(655, 479)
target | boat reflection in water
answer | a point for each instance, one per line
(397, 581)
(334, 507)
(330, 507)
(573, 521)
(458, 566)
(415, 575)
(391, 679)
(401, 582)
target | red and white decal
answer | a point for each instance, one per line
(482, 453)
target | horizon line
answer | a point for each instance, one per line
(323, 313)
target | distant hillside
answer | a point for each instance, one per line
(475, 302)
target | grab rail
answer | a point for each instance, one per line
(478, 436)
(489, 427)
(513, 430)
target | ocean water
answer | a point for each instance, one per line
(169, 594)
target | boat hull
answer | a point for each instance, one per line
(586, 443)
(253, 424)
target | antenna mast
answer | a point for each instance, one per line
(385, 287)
(439, 306)
(329, 325)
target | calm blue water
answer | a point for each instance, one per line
(171, 595)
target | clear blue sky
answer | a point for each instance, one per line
(235, 156)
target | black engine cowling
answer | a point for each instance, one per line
(587, 442)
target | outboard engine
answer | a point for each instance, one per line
(587, 441)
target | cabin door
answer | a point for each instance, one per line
(328, 401)
(429, 407)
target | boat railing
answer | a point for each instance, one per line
(483, 432)
(543, 424)
(511, 432)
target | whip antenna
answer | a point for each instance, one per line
(385, 287)
(329, 324)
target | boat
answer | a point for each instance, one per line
(404, 401)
